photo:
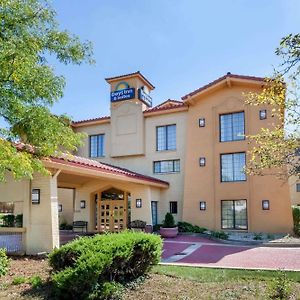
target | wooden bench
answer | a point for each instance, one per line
(80, 224)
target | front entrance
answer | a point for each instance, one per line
(111, 210)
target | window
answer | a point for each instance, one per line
(202, 161)
(202, 122)
(298, 187)
(166, 166)
(166, 137)
(202, 205)
(6, 207)
(265, 204)
(234, 214)
(232, 167)
(263, 114)
(97, 145)
(232, 127)
(173, 207)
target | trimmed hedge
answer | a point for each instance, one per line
(4, 262)
(187, 227)
(296, 219)
(92, 266)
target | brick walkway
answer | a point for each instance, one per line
(197, 251)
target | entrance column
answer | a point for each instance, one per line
(41, 219)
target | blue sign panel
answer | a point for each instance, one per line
(145, 97)
(122, 95)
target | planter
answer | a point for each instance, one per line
(168, 232)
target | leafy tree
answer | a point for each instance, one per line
(29, 35)
(277, 150)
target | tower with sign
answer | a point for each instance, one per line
(129, 97)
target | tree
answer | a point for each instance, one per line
(277, 150)
(29, 86)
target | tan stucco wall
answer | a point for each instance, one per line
(66, 199)
(204, 184)
(144, 163)
(295, 196)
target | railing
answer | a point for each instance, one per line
(12, 239)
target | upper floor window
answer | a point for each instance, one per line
(232, 167)
(166, 137)
(166, 166)
(298, 187)
(232, 127)
(96, 145)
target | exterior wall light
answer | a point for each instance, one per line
(82, 204)
(202, 122)
(265, 204)
(35, 196)
(202, 205)
(59, 207)
(263, 114)
(138, 203)
(202, 161)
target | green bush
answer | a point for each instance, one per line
(86, 266)
(156, 227)
(279, 287)
(35, 281)
(219, 235)
(169, 221)
(19, 220)
(8, 220)
(187, 227)
(18, 280)
(257, 236)
(4, 262)
(296, 219)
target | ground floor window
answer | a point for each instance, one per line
(154, 212)
(234, 214)
(173, 207)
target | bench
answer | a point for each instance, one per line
(80, 224)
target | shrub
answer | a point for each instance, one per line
(187, 227)
(4, 262)
(279, 287)
(86, 266)
(169, 221)
(18, 280)
(257, 236)
(65, 226)
(296, 219)
(8, 220)
(219, 235)
(19, 220)
(156, 227)
(35, 281)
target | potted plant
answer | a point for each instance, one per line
(169, 228)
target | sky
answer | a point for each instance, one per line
(179, 45)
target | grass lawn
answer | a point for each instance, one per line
(164, 282)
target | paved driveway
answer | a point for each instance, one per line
(197, 251)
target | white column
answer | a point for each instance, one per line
(41, 220)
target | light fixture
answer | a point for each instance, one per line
(202, 205)
(138, 203)
(35, 196)
(59, 207)
(202, 122)
(265, 204)
(202, 161)
(263, 114)
(82, 204)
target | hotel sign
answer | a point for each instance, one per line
(121, 95)
(145, 98)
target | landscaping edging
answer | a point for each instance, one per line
(245, 243)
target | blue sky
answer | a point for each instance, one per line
(179, 45)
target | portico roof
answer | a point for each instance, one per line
(87, 166)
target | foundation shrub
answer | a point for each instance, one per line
(187, 227)
(296, 219)
(95, 267)
(8, 220)
(219, 235)
(4, 262)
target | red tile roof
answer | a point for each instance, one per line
(91, 120)
(169, 104)
(131, 74)
(78, 161)
(228, 75)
